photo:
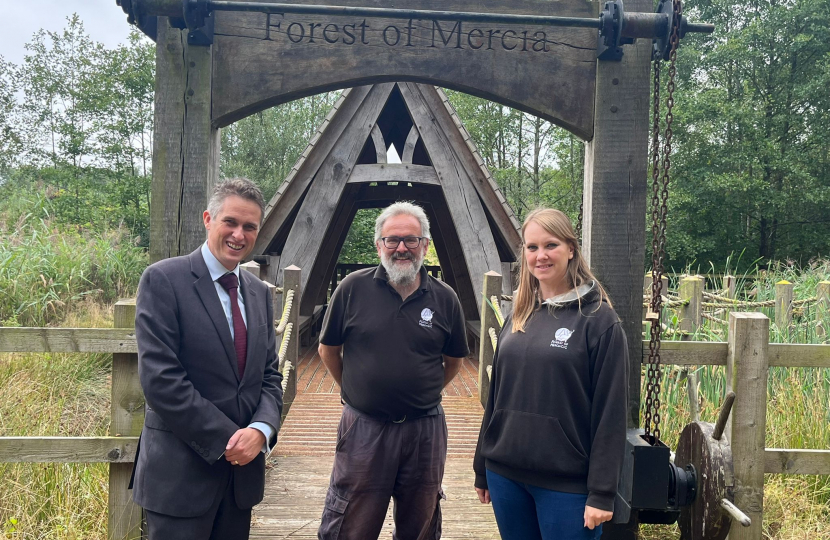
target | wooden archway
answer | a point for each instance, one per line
(201, 88)
(344, 169)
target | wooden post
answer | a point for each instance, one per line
(729, 285)
(784, 305)
(747, 371)
(185, 144)
(691, 289)
(823, 308)
(614, 194)
(291, 281)
(124, 522)
(691, 391)
(251, 267)
(275, 305)
(491, 286)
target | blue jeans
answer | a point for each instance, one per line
(525, 512)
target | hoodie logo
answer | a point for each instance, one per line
(426, 318)
(561, 338)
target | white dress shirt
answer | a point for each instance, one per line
(217, 270)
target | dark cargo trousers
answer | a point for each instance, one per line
(375, 460)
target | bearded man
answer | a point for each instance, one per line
(392, 338)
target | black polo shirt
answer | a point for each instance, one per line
(392, 349)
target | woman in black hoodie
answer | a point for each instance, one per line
(551, 443)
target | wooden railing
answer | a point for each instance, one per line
(747, 355)
(693, 303)
(127, 413)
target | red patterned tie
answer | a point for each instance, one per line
(240, 334)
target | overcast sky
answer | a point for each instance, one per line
(19, 20)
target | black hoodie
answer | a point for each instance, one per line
(556, 415)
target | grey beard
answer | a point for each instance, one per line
(401, 276)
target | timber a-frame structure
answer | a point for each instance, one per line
(344, 169)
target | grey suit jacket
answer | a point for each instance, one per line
(195, 398)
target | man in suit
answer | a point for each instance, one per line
(206, 362)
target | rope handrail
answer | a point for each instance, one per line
(507, 297)
(765, 303)
(713, 318)
(494, 303)
(286, 311)
(805, 301)
(489, 372)
(286, 371)
(494, 339)
(284, 345)
(668, 303)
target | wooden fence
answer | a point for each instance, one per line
(693, 304)
(127, 413)
(747, 355)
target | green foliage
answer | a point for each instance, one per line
(752, 133)
(264, 146)
(64, 395)
(82, 129)
(45, 266)
(359, 246)
(534, 162)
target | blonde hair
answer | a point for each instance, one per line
(556, 223)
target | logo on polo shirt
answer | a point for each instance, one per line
(426, 318)
(561, 338)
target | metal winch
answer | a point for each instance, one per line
(695, 489)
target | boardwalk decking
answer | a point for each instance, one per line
(300, 465)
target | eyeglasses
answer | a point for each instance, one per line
(411, 242)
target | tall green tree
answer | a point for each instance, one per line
(9, 139)
(752, 133)
(265, 145)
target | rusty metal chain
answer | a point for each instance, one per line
(659, 202)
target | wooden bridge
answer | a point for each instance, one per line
(300, 465)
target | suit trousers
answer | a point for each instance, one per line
(377, 460)
(224, 520)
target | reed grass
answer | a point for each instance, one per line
(45, 266)
(56, 395)
(796, 507)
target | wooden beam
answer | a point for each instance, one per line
(314, 220)
(380, 144)
(409, 146)
(505, 229)
(491, 286)
(614, 192)
(381, 196)
(799, 355)
(283, 205)
(67, 449)
(614, 203)
(747, 372)
(320, 274)
(689, 353)
(261, 63)
(185, 144)
(691, 289)
(68, 340)
(466, 210)
(714, 353)
(796, 461)
(415, 174)
(127, 420)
